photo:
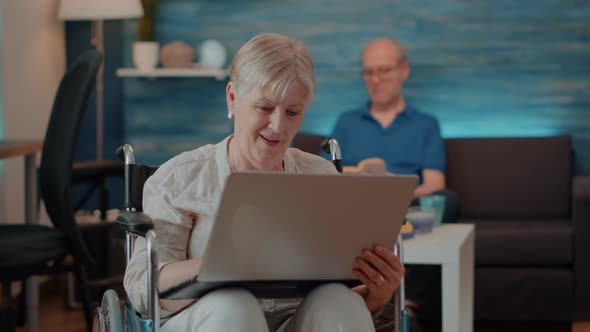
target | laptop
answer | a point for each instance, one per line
(281, 235)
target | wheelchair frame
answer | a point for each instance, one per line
(135, 223)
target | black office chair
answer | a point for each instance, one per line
(28, 250)
(95, 173)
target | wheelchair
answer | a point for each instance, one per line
(114, 315)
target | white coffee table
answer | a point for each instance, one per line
(452, 247)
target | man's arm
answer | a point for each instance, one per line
(434, 162)
(432, 180)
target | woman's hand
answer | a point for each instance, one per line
(380, 271)
(174, 274)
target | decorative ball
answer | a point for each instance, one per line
(177, 54)
(212, 54)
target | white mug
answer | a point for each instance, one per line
(146, 55)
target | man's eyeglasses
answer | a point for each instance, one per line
(381, 71)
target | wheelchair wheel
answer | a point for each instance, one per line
(98, 322)
(111, 312)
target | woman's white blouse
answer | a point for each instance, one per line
(181, 198)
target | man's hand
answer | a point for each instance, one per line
(432, 180)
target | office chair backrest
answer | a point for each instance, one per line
(62, 134)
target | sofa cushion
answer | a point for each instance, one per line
(523, 242)
(524, 294)
(511, 177)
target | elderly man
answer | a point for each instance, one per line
(408, 140)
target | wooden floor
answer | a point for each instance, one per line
(55, 317)
(581, 327)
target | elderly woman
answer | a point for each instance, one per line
(272, 83)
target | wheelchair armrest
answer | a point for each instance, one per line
(137, 223)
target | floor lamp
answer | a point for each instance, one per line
(98, 11)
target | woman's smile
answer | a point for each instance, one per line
(269, 141)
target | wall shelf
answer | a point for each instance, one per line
(218, 74)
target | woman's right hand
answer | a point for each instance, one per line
(174, 274)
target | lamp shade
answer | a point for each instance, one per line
(99, 9)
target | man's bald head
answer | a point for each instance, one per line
(385, 69)
(385, 47)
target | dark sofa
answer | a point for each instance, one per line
(532, 218)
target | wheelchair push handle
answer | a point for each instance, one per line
(125, 154)
(330, 145)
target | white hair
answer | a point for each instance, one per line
(274, 63)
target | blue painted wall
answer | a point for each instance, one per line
(484, 68)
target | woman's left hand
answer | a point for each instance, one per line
(380, 271)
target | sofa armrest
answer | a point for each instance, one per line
(581, 224)
(452, 205)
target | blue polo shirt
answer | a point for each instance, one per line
(410, 144)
